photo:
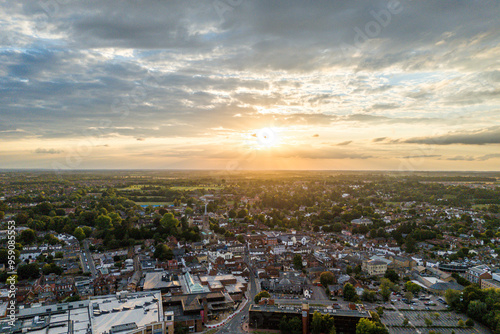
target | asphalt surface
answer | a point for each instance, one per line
(87, 261)
(234, 326)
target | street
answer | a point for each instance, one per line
(235, 324)
(87, 260)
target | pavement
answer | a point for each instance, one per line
(87, 260)
(239, 323)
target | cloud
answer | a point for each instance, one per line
(141, 139)
(421, 156)
(344, 143)
(315, 135)
(179, 69)
(48, 151)
(489, 135)
(471, 158)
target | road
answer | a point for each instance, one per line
(87, 260)
(234, 326)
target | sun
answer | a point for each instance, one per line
(267, 137)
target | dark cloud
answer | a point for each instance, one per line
(471, 158)
(166, 69)
(48, 151)
(344, 143)
(421, 156)
(378, 140)
(477, 137)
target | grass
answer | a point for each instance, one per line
(195, 187)
(154, 203)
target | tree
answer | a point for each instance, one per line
(476, 309)
(326, 278)
(366, 326)
(461, 323)
(316, 323)
(79, 234)
(260, 295)
(52, 268)
(412, 287)
(411, 245)
(368, 296)
(408, 295)
(297, 262)
(469, 322)
(428, 322)
(295, 326)
(392, 275)
(28, 271)
(453, 299)
(163, 252)
(87, 230)
(27, 236)
(349, 292)
(104, 222)
(406, 322)
(385, 293)
(169, 222)
(380, 311)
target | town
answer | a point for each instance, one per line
(249, 252)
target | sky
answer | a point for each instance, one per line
(249, 84)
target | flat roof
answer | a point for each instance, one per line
(298, 308)
(141, 309)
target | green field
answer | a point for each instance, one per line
(195, 188)
(155, 203)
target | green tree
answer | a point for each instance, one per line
(392, 275)
(477, 309)
(52, 268)
(461, 323)
(163, 252)
(169, 222)
(87, 230)
(297, 262)
(316, 323)
(349, 292)
(412, 287)
(366, 326)
(79, 234)
(453, 299)
(326, 278)
(469, 323)
(28, 271)
(104, 222)
(385, 293)
(260, 295)
(27, 236)
(411, 245)
(428, 322)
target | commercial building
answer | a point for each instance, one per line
(124, 313)
(374, 267)
(268, 316)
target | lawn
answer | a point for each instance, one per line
(185, 188)
(155, 203)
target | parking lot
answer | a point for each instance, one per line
(431, 305)
(394, 319)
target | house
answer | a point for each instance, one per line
(478, 273)
(362, 221)
(374, 267)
